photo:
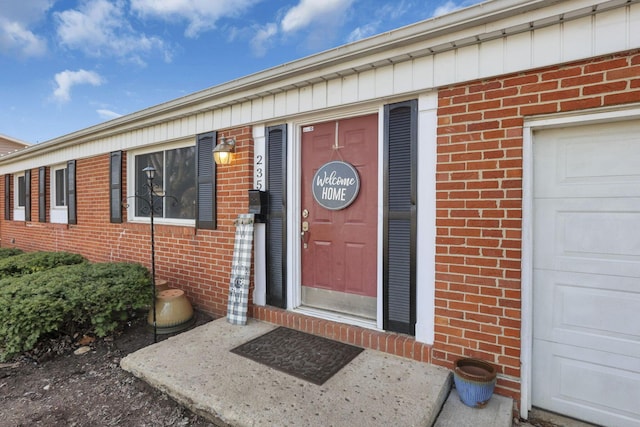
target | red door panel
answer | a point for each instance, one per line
(341, 250)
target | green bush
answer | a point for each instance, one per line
(27, 263)
(7, 252)
(93, 296)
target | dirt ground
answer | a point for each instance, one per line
(53, 386)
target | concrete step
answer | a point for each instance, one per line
(497, 413)
(197, 369)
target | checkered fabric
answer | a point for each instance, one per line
(240, 271)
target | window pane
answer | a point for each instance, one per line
(21, 191)
(60, 190)
(142, 191)
(181, 183)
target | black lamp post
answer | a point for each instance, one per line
(150, 172)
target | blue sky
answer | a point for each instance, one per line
(69, 64)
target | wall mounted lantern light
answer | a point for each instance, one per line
(223, 153)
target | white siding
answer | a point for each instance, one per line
(609, 33)
(577, 40)
(319, 95)
(546, 49)
(492, 57)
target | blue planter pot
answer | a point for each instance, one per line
(475, 381)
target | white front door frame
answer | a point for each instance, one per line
(532, 124)
(294, 174)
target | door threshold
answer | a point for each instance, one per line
(338, 317)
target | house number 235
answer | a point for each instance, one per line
(258, 178)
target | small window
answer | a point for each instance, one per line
(19, 197)
(175, 179)
(60, 187)
(22, 189)
(59, 181)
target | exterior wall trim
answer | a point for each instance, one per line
(426, 242)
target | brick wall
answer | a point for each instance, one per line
(198, 261)
(479, 199)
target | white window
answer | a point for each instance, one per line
(175, 180)
(19, 194)
(59, 180)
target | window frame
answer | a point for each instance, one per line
(131, 184)
(19, 210)
(58, 214)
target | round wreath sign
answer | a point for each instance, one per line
(335, 185)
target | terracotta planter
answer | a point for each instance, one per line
(173, 312)
(475, 381)
(161, 285)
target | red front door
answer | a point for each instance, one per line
(339, 247)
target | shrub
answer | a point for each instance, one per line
(27, 263)
(95, 296)
(7, 252)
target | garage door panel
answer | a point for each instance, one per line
(598, 387)
(593, 161)
(565, 311)
(586, 235)
(586, 272)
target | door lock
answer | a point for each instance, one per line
(305, 234)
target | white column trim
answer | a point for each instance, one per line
(260, 230)
(426, 211)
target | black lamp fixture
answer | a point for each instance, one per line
(150, 172)
(223, 153)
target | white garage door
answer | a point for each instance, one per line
(586, 283)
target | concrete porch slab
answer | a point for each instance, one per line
(197, 369)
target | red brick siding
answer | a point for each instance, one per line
(198, 261)
(479, 199)
(393, 343)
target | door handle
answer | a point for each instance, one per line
(304, 234)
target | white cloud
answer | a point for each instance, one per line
(319, 19)
(382, 15)
(25, 11)
(308, 12)
(201, 15)
(100, 28)
(15, 37)
(363, 32)
(448, 7)
(16, 17)
(261, 42)
(67, 79)
(108, 114)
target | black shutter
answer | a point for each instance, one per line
(72, 209)
(115, 187)
(42, 194)
(206, 181)
(7, 197)
(27, 195)
(276, 149)
(399, 253)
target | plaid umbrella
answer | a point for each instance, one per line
(240, 271)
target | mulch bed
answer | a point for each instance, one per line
(54, 386)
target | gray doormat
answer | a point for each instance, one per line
(308, 357)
